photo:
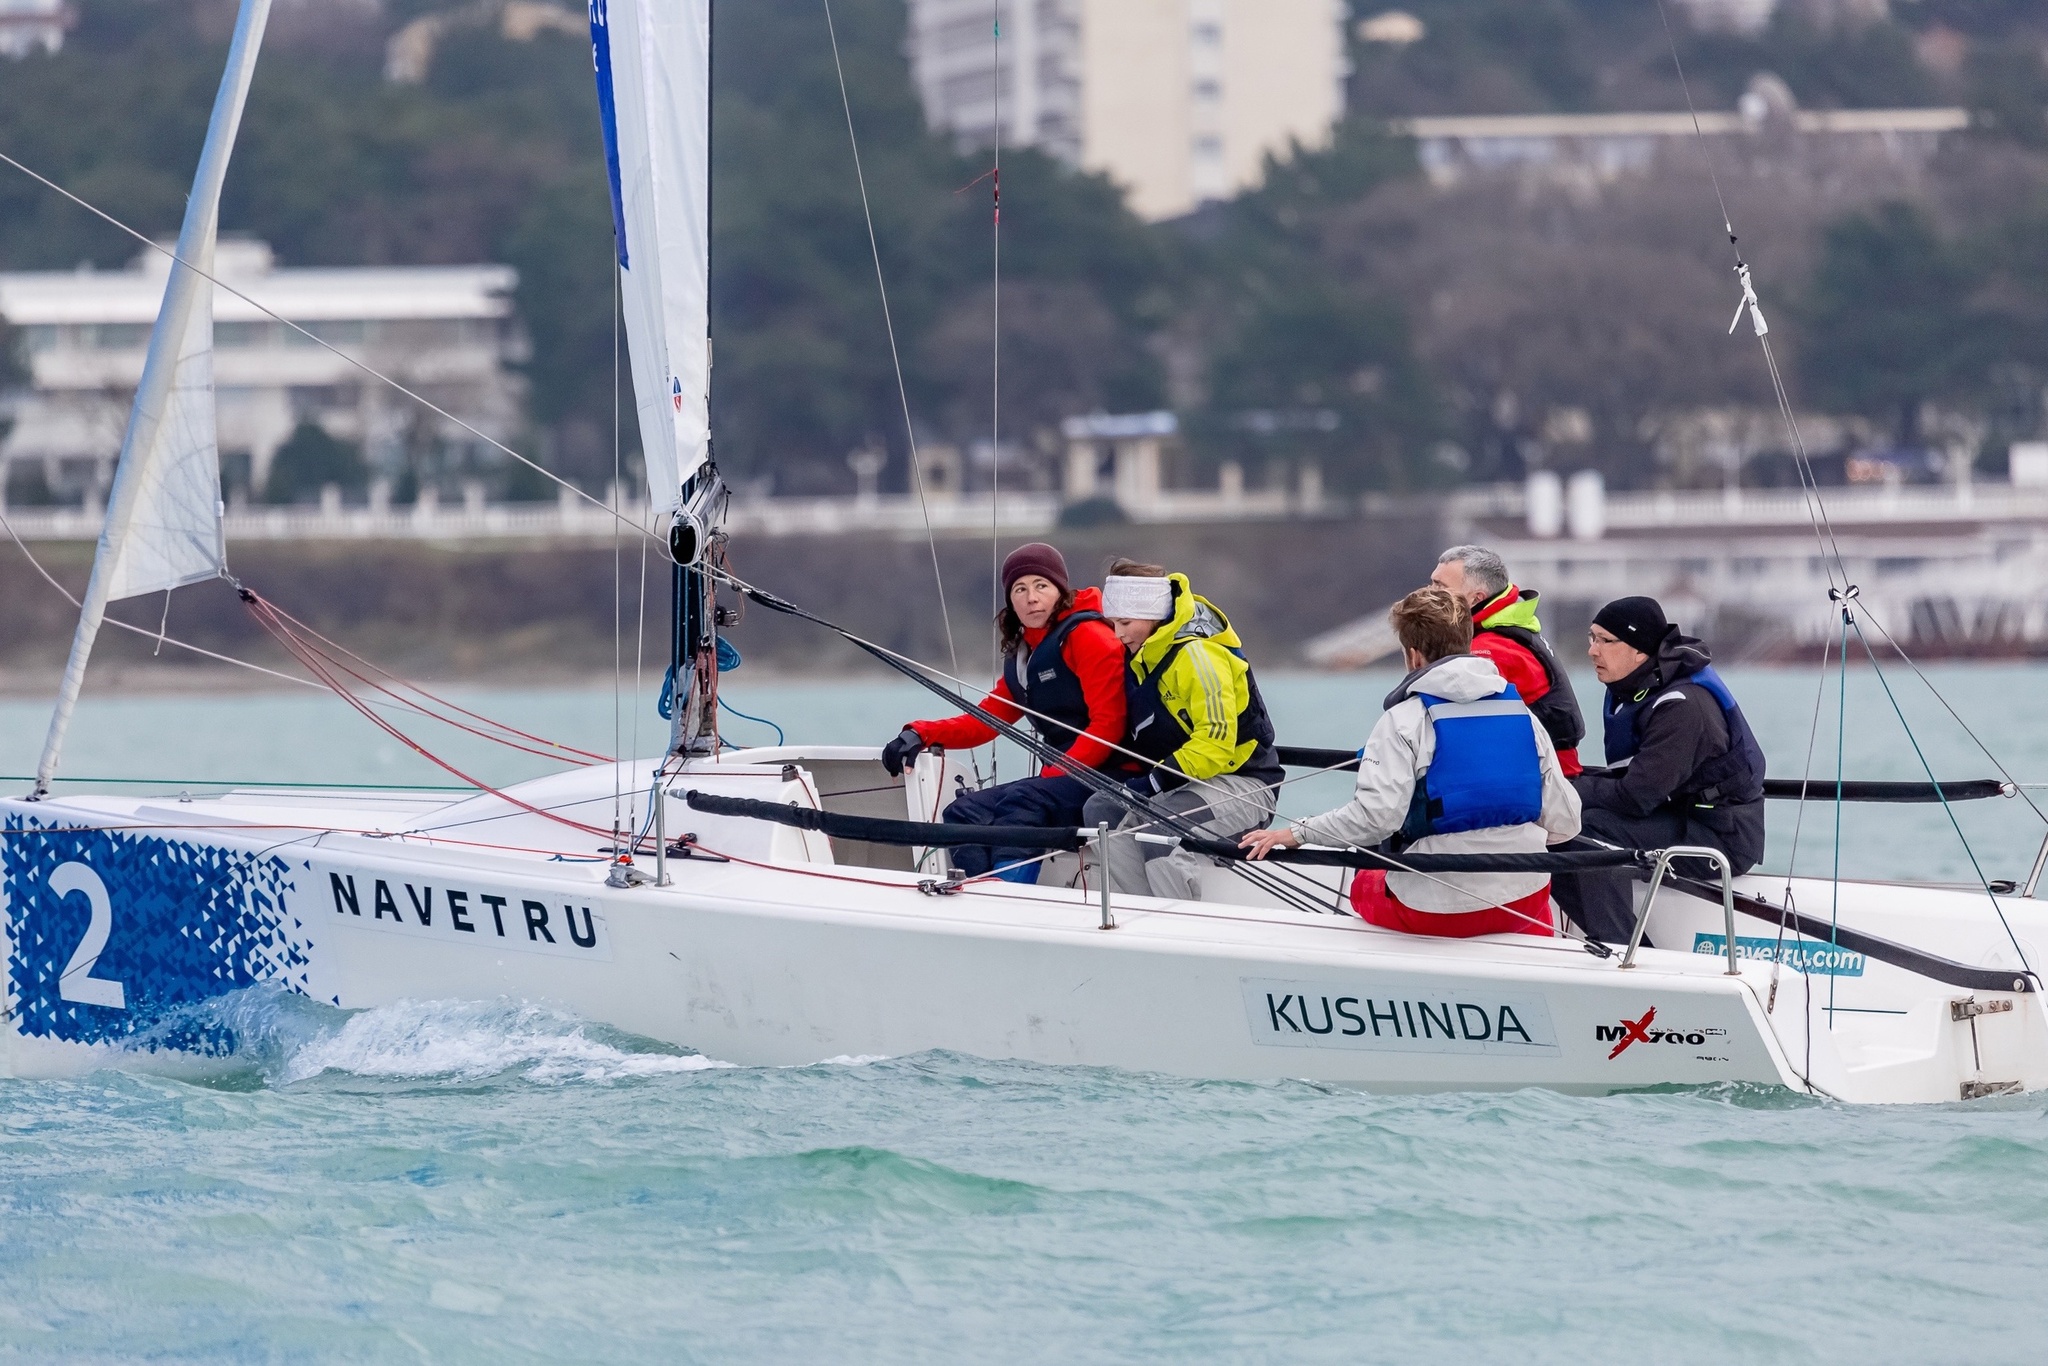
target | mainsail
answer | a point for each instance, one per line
(653, 60)
(163, 525)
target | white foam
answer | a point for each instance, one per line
(852, 1060)
(470, 1040)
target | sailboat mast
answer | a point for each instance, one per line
(693, 640)
(693, 625)
(653, 65)
(176, 536)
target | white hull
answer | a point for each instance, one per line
(793, 956)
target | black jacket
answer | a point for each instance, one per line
(1681, 732)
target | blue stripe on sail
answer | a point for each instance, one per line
(607, 109)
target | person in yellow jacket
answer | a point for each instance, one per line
(1195, 715)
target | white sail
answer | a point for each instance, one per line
(653, 60)
(172, 535)
(163, 525)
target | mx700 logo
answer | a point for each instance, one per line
(1629, 1032)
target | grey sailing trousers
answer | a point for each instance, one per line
(1222, 809)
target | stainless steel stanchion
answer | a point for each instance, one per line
(660, 832)
(1102, 874)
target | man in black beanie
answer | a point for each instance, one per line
(1683, 766)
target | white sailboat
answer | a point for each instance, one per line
(778, 923)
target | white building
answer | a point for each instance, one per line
(1601, 147)
(1180, 101)
(1731, 16)
(444, 331)
(30, 26)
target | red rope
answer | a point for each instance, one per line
(300, 628)
(318, 667)
(273, 621)
(228, 826)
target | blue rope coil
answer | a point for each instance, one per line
(728, 660)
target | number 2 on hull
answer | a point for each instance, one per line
(77, 982)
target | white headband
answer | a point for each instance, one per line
(1138, 599)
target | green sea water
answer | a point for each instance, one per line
(496, 1181)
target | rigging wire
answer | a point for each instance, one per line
(1841, 757)
(899, 661)
(69, 597)
(246, 783)
(554, 749)
(995, 398)
(1816, 509)
(1844, 593)
(895, 355)
(639, 653)
(1799, 817)
(161, 634)
(337, 651)
(315, 665)
(618, 591)
(1031, 744)
(1290, 886)
(317, 340)
(1946, 809)
(332, 658)
(425, 835)
(1927, 682)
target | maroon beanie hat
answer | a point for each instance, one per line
(1035, 558)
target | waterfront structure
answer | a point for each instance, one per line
(1179, 101)
(1602, 147)
(1733, 16)
(1951, 570)
(445, 331)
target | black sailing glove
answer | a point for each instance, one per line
(904, 749)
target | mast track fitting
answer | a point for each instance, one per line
(685, 538)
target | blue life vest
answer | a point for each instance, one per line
(1486, 771)
(1736, 776)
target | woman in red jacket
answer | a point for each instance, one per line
(1063, 663)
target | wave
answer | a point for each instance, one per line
(473, 1040)
(267, 1036)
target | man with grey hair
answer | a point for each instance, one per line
(1506, 631)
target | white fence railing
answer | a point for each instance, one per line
(1024, 513)
(579, 519)
(1851, 505)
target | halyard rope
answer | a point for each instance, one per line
(895, 356)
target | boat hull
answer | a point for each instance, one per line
(121, 919)
(754, 966)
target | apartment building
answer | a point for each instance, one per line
(1179, 101)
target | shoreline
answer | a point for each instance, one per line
(123, 680)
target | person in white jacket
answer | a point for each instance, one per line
(1455, 765)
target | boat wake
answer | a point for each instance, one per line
(265, 1036)
(474, 1040)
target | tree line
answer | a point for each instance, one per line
(1399, 335)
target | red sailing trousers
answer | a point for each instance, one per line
(1377, 906)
